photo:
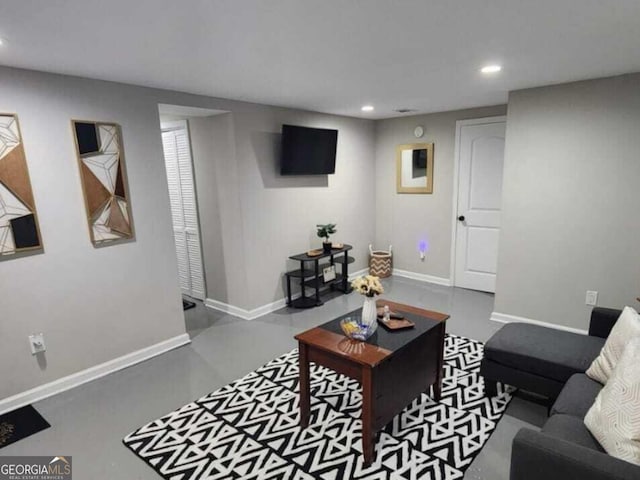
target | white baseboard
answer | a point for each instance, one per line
(93, 373)
(506, 318)
(247, 314)
(226, 308)
(422, 277)
(264, 309)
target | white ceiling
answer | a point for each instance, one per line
(328, 55)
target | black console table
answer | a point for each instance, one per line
(310, 275)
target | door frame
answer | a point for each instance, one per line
(456, 183)
(169, 126)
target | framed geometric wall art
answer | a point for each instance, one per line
(19, 229)
(104, 181)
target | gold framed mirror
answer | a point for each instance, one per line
(414, 168)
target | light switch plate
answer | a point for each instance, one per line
(36, 341)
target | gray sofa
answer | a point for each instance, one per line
(552, 363)
(540, 359)
(564, 448)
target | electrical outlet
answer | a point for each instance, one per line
(36, 341)
(422, 256)
(592, 298)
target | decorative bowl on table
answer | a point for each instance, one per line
(354, 328)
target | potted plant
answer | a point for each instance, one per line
(323, 232)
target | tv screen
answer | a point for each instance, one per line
(308, 151)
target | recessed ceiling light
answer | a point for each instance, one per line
(2, 42)
(491, 69)
(367, 108)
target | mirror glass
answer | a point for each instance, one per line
(415, 168)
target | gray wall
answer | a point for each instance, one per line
(92, 304)
(280, 213)
(236, 160)
(570, 200)
(97, 304)
(403, 220)
(570, 211)
(218, 191)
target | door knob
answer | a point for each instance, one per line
(461, 218)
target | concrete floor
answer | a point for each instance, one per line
(90, 421)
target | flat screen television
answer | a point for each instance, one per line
(308, 151)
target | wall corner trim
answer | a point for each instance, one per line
(92, 373)
(422, 277)
(506, 318)
(242, 312)
(264, 309)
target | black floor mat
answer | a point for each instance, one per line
(19, 424)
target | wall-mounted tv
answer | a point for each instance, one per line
(308, 151)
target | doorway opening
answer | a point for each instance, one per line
(181, 174)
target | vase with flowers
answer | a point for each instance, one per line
(369, 286)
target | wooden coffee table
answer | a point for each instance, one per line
(393, 368)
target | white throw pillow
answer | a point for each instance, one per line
(614, 418)
(626, 328)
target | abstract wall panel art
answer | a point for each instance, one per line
(19, 230)
(104, 181)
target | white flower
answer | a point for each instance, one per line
(368, 285)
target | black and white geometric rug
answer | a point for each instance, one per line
(249, 429)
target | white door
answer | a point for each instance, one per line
(480, 147)
(184, 209)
